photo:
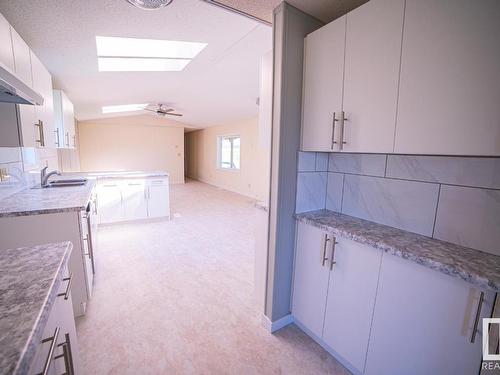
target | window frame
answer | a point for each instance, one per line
(220, 139)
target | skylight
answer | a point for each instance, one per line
(132, 54)
(123, 108)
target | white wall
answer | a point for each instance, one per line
(201, 158)
(132, 143)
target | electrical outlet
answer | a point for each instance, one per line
(4, 175)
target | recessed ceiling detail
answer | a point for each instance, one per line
(144, 55)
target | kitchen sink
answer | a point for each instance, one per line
(68, 182)
(63, 183)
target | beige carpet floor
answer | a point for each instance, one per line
(176, 297)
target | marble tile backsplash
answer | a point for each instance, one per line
(455, 199)
(23, 166)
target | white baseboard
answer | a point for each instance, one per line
(223, 187)
(277, 324)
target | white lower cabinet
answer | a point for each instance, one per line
(158, 198)
(60, 334)
(32, 230)
(134, 199)
(381, 314)
(424, 322)
(135, 204)
(310, 284)
(110, 202)
(351, 299)
(335, 283)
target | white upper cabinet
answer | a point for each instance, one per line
(372, 60)
(424, 322)
(351, 299)
(64, 120)
(450, 78)
(323, 84)
(22, 58)
(42, 83)
(6, 52)
(27, 114)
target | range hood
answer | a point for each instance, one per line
(13, 90)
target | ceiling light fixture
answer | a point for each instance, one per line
(123, 108)
(150, 4)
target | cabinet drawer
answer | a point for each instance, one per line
(158, 182)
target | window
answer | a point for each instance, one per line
(229, 152)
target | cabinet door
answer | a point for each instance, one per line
(60, 316)
(134, 200)
(42, 83)
(450, 78)
(372, 62)
(323, 84)
(158, 198)
(423, 322)
(351, 299)
(110, 203)
(68, 121)
(6, 53)
(22, 58)
(27, 114)
(310, 281)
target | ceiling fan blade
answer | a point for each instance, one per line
(149, 109)
(173, 114)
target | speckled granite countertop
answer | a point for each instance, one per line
(35, 201)
(476, 267)
(119, 175)
(30, 279)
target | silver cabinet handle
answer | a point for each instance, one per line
(324, 258)
(333, 130)
(74, 141)
(343, 119)
(478, 315)
(48, 360)
(67, 355)
(67, 139)
(41, 139)
(332, 255)
(89, 243)
(69, 279)
(58, 141)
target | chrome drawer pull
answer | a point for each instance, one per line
(332, 256)
(333, 130)
(67, 355)
(325, 242)
(68, 287)
(48, 361)
(478, 315)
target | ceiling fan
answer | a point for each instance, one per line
(161, 110)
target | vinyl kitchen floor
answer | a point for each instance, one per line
(176, 297)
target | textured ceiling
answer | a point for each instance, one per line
(219, 86)
(324, 10)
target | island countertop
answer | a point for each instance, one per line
(30, 278)
(474, 266)
(35, 200)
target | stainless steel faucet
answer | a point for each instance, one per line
(44, 176)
